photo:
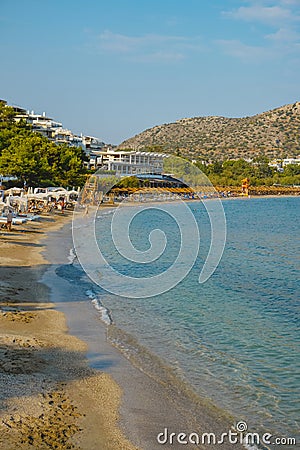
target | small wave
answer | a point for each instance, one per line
(106, 213)
(72, 256)
(104, 312)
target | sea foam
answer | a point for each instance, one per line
(104, 312)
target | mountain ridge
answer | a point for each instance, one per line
(274, 134)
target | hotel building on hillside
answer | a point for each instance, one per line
(54, 130)
(101, 156)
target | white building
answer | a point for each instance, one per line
(126, 163)
(54, 130)
(64, 136)
(39, 122)
(287, 161)
(92, 144)
(280, 164)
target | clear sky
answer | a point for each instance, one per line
(114, 68)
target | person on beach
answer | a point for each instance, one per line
(9, 219)
(60, 206)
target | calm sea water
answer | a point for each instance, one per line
(235, 338)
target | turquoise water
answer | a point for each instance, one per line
(235, 338)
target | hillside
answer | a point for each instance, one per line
(274, 133)
(33, 159)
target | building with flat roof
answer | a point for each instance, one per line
(92, 144)
(126, 163)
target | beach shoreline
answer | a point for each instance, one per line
(49, 396)
(131, 202)
(151, 400)
(107, 398)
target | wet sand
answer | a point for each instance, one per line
(61, 391)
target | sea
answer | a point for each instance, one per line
(234, 340)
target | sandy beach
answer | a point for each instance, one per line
(49, 396)
(63, 384)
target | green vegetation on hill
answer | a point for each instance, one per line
(231, 173)
(272, 134)
(35, 160)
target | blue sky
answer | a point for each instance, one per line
(114, 68)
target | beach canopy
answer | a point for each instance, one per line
(39, 196)
(14, 190)
(56, 189)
